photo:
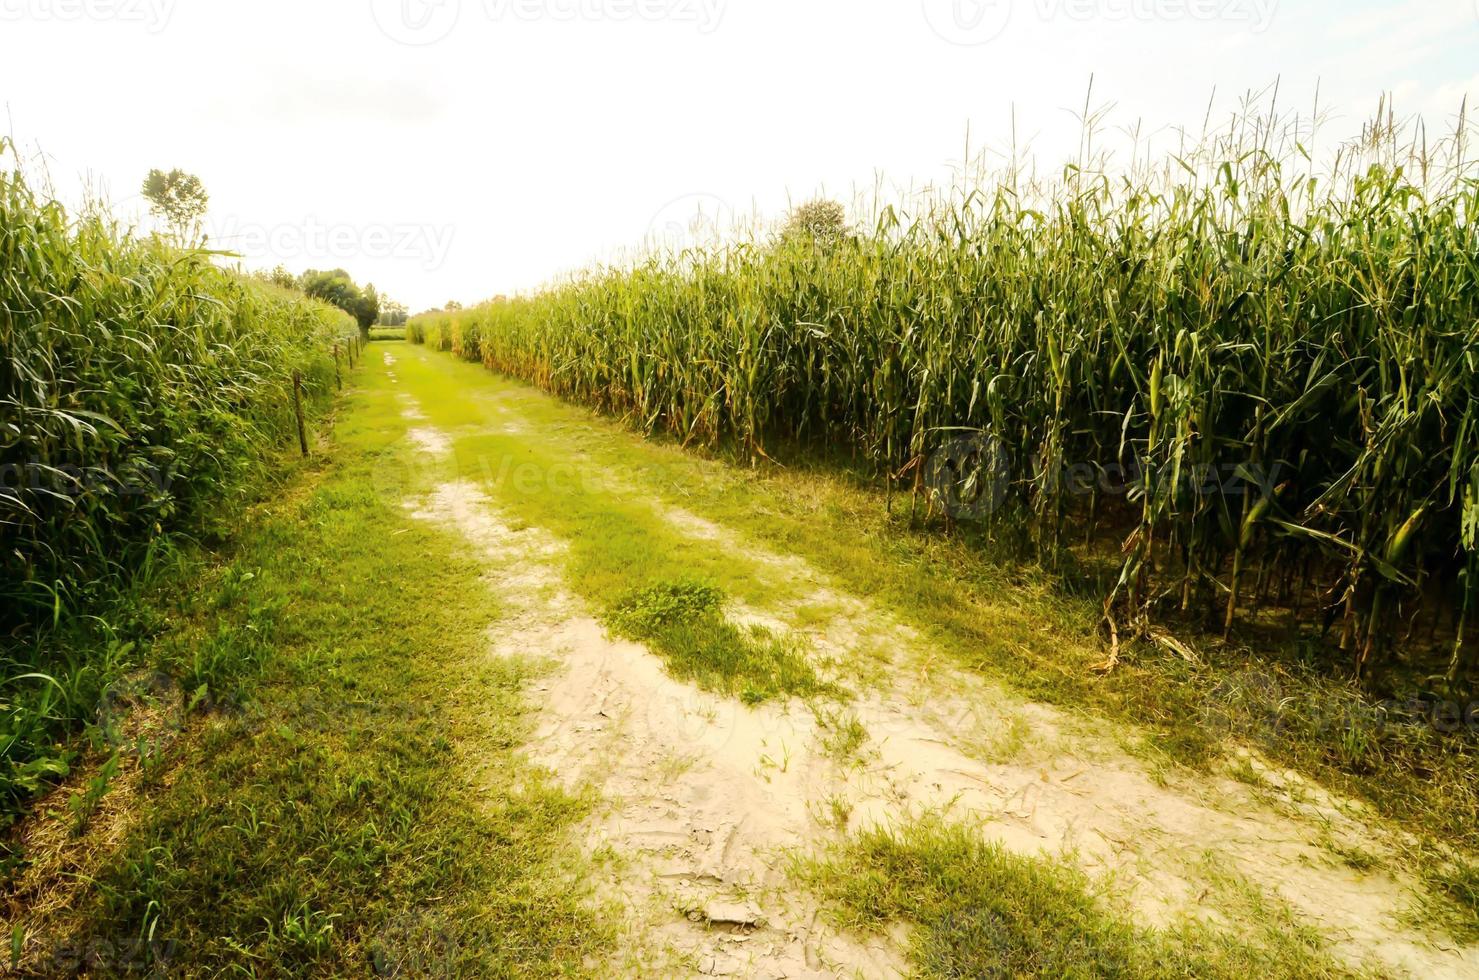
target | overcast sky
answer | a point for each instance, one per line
(454, 149)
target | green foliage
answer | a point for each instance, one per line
(821, 222)
(1245, 380)
(980, 911)
(179, 198)
(392, 313)
(337, 288)
(647, 611)
(142, 387)
(684, 623)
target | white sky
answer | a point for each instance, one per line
(513, 140)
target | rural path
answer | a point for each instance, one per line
(705, 801)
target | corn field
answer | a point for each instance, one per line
(140, 387)
(1250, 379)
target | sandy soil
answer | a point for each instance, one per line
(704, 798)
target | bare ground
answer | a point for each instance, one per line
(704, 799)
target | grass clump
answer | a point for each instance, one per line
(1453, 901)
(976, 910)
(843, 735)
(644, 613)
(684, 623)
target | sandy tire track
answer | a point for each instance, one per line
(704, 797)
(700, 803)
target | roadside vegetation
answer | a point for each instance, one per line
(145, 391)
(1212, 419)
(979, 911)
(318, 772)
(1235, 382)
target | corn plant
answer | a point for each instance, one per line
(1256, 376)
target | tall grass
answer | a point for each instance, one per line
(140, 388)
(1254, 374)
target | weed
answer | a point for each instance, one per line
(980, 911)
(84, 804)
(684, 623)
(842, 733)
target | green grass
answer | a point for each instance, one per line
(348, 795)
(975, 910)
(602, 488)
(1453, 899)
(146, 391)
(684, 623)
(843, 734)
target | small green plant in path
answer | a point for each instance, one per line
(646, 612)
(347, 797)
(977, 910)
(684, 622)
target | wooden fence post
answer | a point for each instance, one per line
(338, 378)
(298, 410)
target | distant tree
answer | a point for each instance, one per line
(452, 306)
(821, 222)
(336, 287)
(180, 199)
(331, 286)
(392, 314)
(368, 310)
(282, 277)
